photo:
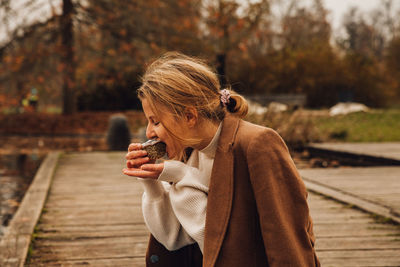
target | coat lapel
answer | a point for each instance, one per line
(220, 192)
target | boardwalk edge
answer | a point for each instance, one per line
(350, 199)
(16, 240)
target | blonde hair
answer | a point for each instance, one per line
(177, 81)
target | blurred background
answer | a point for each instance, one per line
(314, 70)
(67, 56)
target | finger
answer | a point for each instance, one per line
(153, 167)
(136, 154)
(134, 146)
(137, 162)
(140, 173)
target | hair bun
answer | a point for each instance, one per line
(231, 105)
(237, 104)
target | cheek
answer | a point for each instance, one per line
(172, 145)
(161, 132)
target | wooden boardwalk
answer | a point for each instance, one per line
(92, 217)
(349, 237)
(379, 186)
(372, 189)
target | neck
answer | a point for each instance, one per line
(206, 131)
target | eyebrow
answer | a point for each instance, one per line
(153, 117)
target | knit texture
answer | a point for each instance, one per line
(174, 206)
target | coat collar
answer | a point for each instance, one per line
(220, 193)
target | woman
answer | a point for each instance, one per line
(231, 196)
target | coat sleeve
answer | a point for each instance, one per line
(281, 199)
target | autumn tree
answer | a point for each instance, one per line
(123, 37)
(90, 54)
(304, 50)
(26, 57)
(363, 38)
(364, 47)
(392, 61)
(290, 53)
(386, 19)
(229, 25)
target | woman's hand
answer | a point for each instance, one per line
(139, 165)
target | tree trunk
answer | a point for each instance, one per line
(221, 69)
(69, 100)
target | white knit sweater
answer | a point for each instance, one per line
(174, 206)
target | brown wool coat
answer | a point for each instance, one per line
(257, 212)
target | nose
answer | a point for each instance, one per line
(150, 133)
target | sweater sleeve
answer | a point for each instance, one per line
(278, 186)
(185, 201)
(160, 217)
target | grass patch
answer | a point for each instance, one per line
(374, 126)
(304, 126)
(383, 220)
(32, 245)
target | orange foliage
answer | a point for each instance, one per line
(264, 54)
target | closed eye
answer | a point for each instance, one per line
(154, 122)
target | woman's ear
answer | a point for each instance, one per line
(191, 116)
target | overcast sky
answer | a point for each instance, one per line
(337, 7)
(340, 7)
(38, 10)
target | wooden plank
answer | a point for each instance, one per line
(82, 228)
(360, 242)
(107, 262)
(93, 219)
(91, 248)
(357, 253)
(126, 210)
(353, 230)
(360, 262)
(92, 234)
(93, 199)
(13, 249)
(360, 257)
(82, 240)
(326, 218)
